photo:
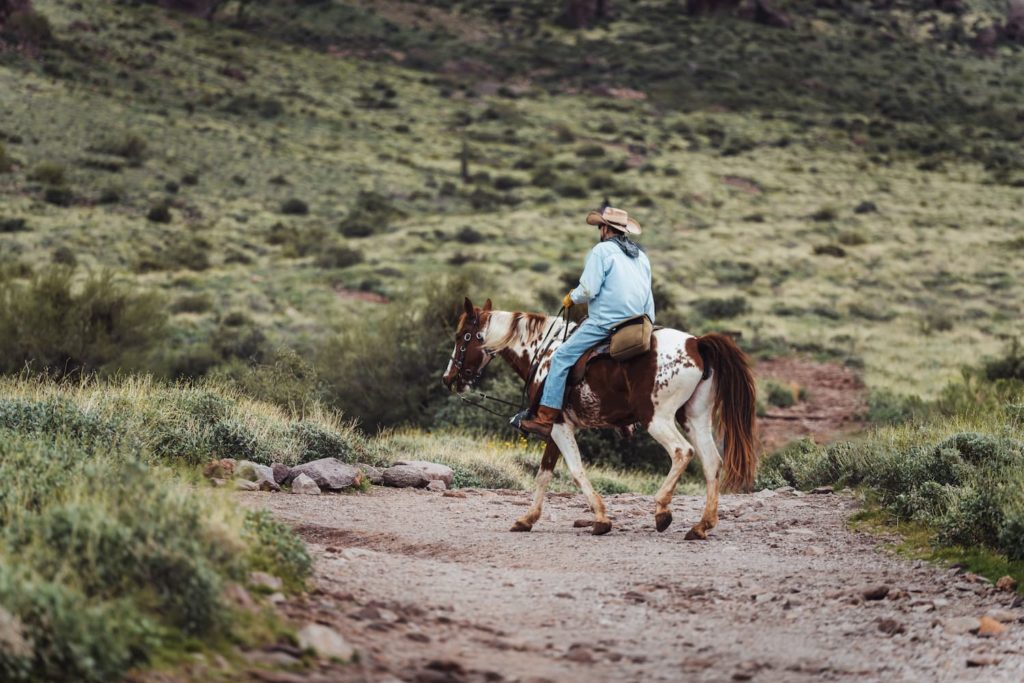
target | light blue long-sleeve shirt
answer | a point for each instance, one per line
(615, 286)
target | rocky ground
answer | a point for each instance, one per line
(430, 586)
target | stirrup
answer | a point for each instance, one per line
(517, 419)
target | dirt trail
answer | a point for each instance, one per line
(434, 588)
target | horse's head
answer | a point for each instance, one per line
(469, 357)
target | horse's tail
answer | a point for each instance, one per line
(735, 407)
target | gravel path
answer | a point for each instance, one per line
(431, 587)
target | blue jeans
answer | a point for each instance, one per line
(586, 336)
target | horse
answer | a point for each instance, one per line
(692, 381)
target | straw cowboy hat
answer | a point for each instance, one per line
(614, 218)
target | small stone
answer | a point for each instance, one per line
(276, 598)
(1003, 616)
(938, 603)
(785, 489)
(436, 485)
(325, 642)
(580, 654)
(418, 637)
(990, 627)
(253, 471)
(1007, 583)
(281, 472)
(981, 660)
(875, 592)
(823, 490)
(267, 485)
(305, 485)
(246, 485)
(959, 626)
(270, 659)
(765, 493)
(580, 523)
(891, 627)
(265, 580)
(454, 494)
(218, 482)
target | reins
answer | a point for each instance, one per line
(545, 344)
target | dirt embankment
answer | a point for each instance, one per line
(835, 404)
(433, 588)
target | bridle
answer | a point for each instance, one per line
(467, 375)
(470, 378)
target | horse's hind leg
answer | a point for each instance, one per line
(701, 430)
(544, 474)
(562, 434)
(663, 429)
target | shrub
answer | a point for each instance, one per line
(64, 256)
(506, 182)
(286, 380)
(49, 173)
(590, 151)
(406, 346)
(6, 163)
(1009, 366)
(129, 146)
(13, 225)
(294, 207)
(469, 235)
(182, 253)
(338, 256)
(29, 27)
(58, 196)
(825, 213)
(718, 308)
(159, 213)
(782, 396)
(888, 408)
(192, 303)
(275, 549)
(98, 325)
(371, 213)
(829, 250)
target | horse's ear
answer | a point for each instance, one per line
(487, 305)
(469, 307)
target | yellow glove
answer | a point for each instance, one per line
(567, 301)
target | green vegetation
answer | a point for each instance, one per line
(108, 559)
(957, 470)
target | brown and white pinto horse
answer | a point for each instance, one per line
(683, 379)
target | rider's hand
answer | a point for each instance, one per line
(567, 301)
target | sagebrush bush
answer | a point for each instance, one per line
(56, 324)
(371, 213)
(49, 173)
(722, 308)
(286, 380)
(106, 562)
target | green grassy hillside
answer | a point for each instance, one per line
(850, 188)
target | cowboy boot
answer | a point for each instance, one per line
(541, 426)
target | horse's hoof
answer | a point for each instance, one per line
(696, 534)
(601, 528)
(662, 520)
(521, 526)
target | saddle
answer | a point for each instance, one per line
(630, 339)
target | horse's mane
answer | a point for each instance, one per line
(505, 327)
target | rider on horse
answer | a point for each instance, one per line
(616, 282)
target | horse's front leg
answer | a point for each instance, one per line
(544, 474)
(562, 435)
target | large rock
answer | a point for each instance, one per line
(432, 470)
(325, 642)
(281, 472)
(329, 473)
(262, 475)
(303, 484)
(404, 476)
